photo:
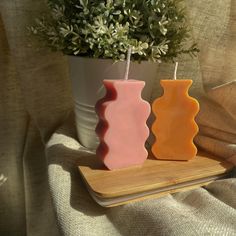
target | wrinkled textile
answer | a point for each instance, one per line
(41, 191)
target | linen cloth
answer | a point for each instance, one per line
(41, 191)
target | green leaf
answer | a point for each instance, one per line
(84, 3)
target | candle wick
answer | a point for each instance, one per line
(128, 64)
(176, 68)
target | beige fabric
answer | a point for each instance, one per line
(41, 193)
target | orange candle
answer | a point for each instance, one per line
(175, 127)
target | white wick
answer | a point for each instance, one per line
(176, 68)
(127, 64)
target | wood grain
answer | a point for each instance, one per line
(153, 175)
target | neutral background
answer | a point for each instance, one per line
(41, 192)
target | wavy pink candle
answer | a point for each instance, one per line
(122, 128)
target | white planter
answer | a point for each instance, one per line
(87, 75)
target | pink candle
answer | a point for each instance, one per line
(122, 128)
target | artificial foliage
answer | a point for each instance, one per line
(155, 29)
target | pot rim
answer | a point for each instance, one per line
(108, 59)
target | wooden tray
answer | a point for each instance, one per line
(154, 179)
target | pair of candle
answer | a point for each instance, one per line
(122, 125)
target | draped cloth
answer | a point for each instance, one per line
(41, 191)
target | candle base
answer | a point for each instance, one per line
(153, 179)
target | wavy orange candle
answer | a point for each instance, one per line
(175, 127)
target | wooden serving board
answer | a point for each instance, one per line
(154, 179)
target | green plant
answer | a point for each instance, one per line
(155, 29)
